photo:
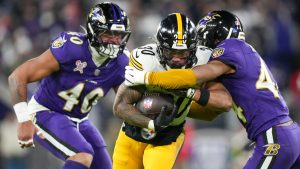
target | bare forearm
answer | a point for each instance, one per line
(132, 116)
(124, 109)
(17, 87)
(219, 101)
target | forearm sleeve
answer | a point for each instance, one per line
(173, 79)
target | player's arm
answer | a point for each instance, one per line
(124, 107)
(183, 78)
(179, 78)
(219, 101)
(30, 71)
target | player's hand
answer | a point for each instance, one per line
(134, 77)
(25, 133)
(164, 119)
(187, 93)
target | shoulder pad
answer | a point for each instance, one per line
(203, 54)
(144, 58)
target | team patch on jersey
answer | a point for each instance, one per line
(59, 42)
(147, 134)
(218, 52)
(80, 66)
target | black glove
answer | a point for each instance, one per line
(164, 118)
(187, 93)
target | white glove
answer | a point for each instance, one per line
(134, 77)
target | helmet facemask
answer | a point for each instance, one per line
(177, 59)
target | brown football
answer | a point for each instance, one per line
(151, 103)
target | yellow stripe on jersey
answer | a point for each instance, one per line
(134, 63)
(173, 79)
(179, 28)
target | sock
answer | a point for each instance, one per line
(69, 164)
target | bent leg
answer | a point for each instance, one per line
(101, 158)
(61, 136)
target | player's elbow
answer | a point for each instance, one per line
(118, 110)
(12, 78)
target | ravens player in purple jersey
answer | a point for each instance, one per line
(257, 100)
(75, 72)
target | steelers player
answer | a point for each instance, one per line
(155, 143)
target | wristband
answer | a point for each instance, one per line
(151, 125)
(21, 111)
(204, 97)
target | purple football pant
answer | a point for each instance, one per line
(64, 138)
(277, 148)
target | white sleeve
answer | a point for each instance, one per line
(203, 55)
(143, 58)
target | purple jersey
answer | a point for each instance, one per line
(257, 100)
(79, 83)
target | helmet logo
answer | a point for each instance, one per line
(203, 22)
(97, 14)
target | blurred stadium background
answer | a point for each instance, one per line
(27, 26)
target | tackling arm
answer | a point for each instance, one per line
(184, 78)
(219, 101)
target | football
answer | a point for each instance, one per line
(151, 103)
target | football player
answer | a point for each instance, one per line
(258, 102)
(155, 143)
(75, 72)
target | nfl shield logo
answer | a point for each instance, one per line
(148, 103)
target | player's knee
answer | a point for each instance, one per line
(83, 158)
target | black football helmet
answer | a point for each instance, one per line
(217, 26)
(107, 18)
(176, 34)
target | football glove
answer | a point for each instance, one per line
(164, 119)
(134, 77)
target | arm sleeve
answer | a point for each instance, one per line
(59, 48)
(173, 79)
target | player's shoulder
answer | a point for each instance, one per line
(69, 46)
(144, 57)
(65, 39)
(203, 54)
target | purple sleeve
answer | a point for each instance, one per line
(59, 48)
(230, 53)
